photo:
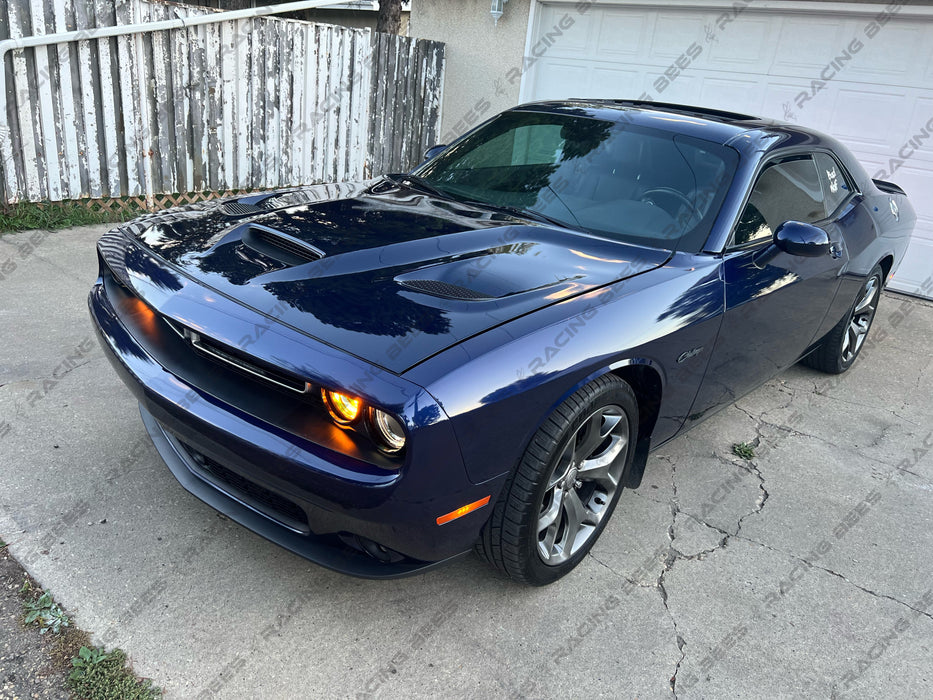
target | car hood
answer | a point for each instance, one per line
(385, 272)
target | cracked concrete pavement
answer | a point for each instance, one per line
(803, 571)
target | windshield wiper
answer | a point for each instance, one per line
(519, 212)
(422, 184)
(416, 181)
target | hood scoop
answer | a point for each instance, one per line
(280, 246)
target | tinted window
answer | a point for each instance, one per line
(627, 182)
(833, 180)
(525, 145)
(786, 191)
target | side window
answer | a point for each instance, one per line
(833, 181)
(788, 190)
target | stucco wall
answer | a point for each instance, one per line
(483, 59)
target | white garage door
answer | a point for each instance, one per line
(865, 81)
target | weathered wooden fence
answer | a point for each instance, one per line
(408, 81)
(249, 104)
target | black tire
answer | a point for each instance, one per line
(512, 539)
(842, 345)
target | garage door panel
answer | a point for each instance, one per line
(913, 276)
(574, 41)
(673, 33)
(565, 79)
(778, 100)
(869, 118)
(741, 49)
(612, 82)
(807, 44)
(925, 59)
(894, 56)
(622, 35)
(875, 100)
(685, 90)
(921, 127)
(740, 94)
(917, 182)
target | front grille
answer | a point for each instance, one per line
(270, 504)
(446, 289)
(232, 358)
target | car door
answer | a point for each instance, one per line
(774, 306)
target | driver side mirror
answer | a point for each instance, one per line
(434, 150)
(798, 238)
(795, 238)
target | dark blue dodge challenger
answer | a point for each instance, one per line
(480, 354)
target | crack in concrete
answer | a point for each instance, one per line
(604, 564)
(752, 467)
(760, 501)
(884, 431)
(803, 560)
(672, 556)
(898, 415)
(56, 378)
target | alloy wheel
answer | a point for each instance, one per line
(860, 320)
(582, 485)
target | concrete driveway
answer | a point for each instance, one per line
(806, 571)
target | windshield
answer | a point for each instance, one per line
(629, 183)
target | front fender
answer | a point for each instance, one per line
(497, 388)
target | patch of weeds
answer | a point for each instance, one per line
(25, 216)
(745, 450)
(103, 675)
(43, 610)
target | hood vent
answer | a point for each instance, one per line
(280, 246)
(445, 290)
(237, 208)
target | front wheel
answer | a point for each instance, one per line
(558, 501)
(842, 345)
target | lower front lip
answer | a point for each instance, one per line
(326, 550)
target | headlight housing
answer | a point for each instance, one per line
(389, 433)
(351, 412)
(343, 408)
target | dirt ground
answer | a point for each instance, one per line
(30, 664)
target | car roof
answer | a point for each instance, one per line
(715, 125)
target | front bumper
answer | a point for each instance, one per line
(329, 508)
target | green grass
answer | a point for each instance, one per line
(25, 216)
(745, 450)
(103, 675)
(95, 674)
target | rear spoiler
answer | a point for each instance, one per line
(888, 187)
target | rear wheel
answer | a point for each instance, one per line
(558, 501)
(842, 345)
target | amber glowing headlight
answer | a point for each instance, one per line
(388, 431)
(343, 408)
